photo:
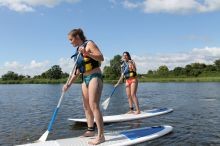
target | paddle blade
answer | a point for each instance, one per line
(44, 137)
(106, 103)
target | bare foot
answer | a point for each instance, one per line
(97, 140)
(137, 112)
(130, 112)
(88, 134)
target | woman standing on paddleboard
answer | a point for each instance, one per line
(88, 64)
(129, 73)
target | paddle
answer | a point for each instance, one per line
(106, 102)
(44, 136)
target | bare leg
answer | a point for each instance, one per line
(134, 86)
(128, 92)
(88, 111)
(95, 91)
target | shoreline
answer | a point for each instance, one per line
(142, 80)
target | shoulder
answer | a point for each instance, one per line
(131, 61)
(90, 43)
(92, 46)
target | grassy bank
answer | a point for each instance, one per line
(183, 79)
(142, 79)
(36, 81)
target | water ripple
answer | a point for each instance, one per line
(27, 109)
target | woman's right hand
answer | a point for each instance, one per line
(116, 85)
(65, 87)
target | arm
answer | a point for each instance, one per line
(71, 80)
(92, 51)
(121, 77)
(132, 64)
(122, 73)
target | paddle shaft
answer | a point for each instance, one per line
(113, 91)
(61, 98)
(106, 102)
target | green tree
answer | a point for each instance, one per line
(217, 64)
(44, 75)
(188, 70)
(116, 65)
(163, 70)
(20, 77)
(114, 70)
(200, 66)
(150, 72)
(197, 69)
(195, 72)
(178, 71)
(210, 68)
(55, 72)
(65, 75)
(10, 75)
(109, 73)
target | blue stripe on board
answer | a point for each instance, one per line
(158, 110)
(134, 134)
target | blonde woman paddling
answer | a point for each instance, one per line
(88, 64)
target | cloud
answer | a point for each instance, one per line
(66, 64)
(130, 5)
(36, 68)
(215, 52)
(169, 6)
(209, 6)
(205, 55)
(174, 6)
(32, 68)
(28, 5)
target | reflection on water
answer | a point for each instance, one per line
(27, 109)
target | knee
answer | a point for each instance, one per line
(133, 96)
(129, 96)
(94, 106)
(86, 107)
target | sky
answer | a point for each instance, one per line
(33, 33)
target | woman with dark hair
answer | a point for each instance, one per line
(88, 64)
(129, 73)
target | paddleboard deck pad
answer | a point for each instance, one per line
(129, 117)
(117, 138)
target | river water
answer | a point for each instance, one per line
(26, 110)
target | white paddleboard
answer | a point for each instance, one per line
(120, 138)
(129, 117)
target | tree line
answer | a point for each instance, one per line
(55, 72)
(190, 70)
(113, 71)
